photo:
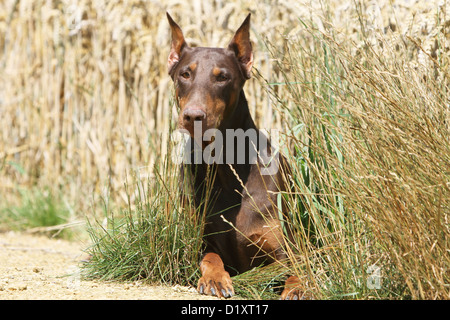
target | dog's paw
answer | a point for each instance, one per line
(217, 284)
(293, 290)
(292, 294)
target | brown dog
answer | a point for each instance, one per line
(242, 228)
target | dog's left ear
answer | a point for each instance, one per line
(242, 47)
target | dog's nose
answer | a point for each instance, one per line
(191, 115)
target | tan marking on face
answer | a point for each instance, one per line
(216, 71)
(181, 103)
(215, 112)
(177, 97)
(233, 99)
(193, 66)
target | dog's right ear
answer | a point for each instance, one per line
(178, 44)
(242, 47)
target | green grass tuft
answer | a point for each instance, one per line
(156, 239)
(39, 211)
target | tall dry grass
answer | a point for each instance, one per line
(84, 92)
(369, 123)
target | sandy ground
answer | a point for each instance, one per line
(36, 267)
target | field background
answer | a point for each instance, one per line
(85, 95)
(86, 101)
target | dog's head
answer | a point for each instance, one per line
(208, 81)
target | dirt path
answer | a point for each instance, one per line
(36, 267)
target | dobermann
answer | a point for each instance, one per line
(242, 226)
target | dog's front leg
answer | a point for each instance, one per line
(215, 280)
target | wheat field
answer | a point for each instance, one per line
(85, 98)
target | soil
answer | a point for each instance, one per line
(38, 267)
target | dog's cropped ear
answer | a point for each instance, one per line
(242, 47)
(178, 44)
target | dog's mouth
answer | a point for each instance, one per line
(195, 129)
(199, 130)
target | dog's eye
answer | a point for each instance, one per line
(221, 78)
(186, 75)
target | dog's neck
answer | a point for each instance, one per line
(232, 176)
